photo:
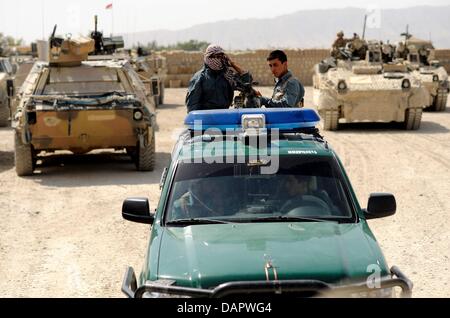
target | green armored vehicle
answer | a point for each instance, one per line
(78, 105)
(364, 85)
(256, 202)
(419, 55)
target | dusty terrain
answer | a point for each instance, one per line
(62, 234)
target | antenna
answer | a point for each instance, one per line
(364, 28)
(406, 34)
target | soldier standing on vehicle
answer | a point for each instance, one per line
(213, 86)
(288, 91)
(401, 52)
(338, 44)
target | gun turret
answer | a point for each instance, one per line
(54, 41)
(104, 45)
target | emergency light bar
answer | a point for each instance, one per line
(283, 119)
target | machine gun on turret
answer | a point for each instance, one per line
(105, 45)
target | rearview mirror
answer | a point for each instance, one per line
(10, 88)
(155, 86)
(380, 205)
(137, 210)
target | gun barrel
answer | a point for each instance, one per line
(54, 31)
(96, 22)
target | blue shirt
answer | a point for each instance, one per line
(209, 89)
(288, 92)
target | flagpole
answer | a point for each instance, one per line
(43, 19)
(112, 19)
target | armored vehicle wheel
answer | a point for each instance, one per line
(413, 118)
(145, 157)
(161, 95)
(24, 158)
(4, 115)
(441, 101)
(331, 120)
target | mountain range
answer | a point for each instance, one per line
(311, 28)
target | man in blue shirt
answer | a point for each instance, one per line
(213, 86)
(288, 91)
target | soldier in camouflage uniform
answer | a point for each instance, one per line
(338, 44)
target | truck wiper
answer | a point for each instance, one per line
(290, 218)
(188, 222)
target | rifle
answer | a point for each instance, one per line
(247, 97)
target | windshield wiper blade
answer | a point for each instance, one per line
(291, 218)
(187, 222)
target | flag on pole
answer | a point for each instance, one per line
(109, 6)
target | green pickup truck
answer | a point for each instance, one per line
(255, 201)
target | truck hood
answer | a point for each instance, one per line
(205, 256)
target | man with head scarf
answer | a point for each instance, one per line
(213, 86)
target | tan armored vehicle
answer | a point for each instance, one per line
(365, 85)
(419, 55)
(152, 68)
(78, 105)
(6, 90)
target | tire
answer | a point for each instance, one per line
(413, 118)
(331, 120)
(23, 158)
(417, 118)
(440, 101)
(4, 115)
(145, 157)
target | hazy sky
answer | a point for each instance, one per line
(35, 19)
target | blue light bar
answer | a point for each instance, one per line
(284, 119)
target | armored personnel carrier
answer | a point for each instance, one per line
(419, 55)
(365, 85)
(73, 104)
(152, 68)
(6, 90)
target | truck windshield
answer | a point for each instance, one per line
(303, 188)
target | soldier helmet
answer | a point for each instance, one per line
(340, 33)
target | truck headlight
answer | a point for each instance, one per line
(342, 85)
(138, 115)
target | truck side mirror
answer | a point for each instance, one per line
(154, 86)
(380, 205)
(10, 88)
(137, 210)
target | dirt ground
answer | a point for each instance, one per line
(62, 234)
